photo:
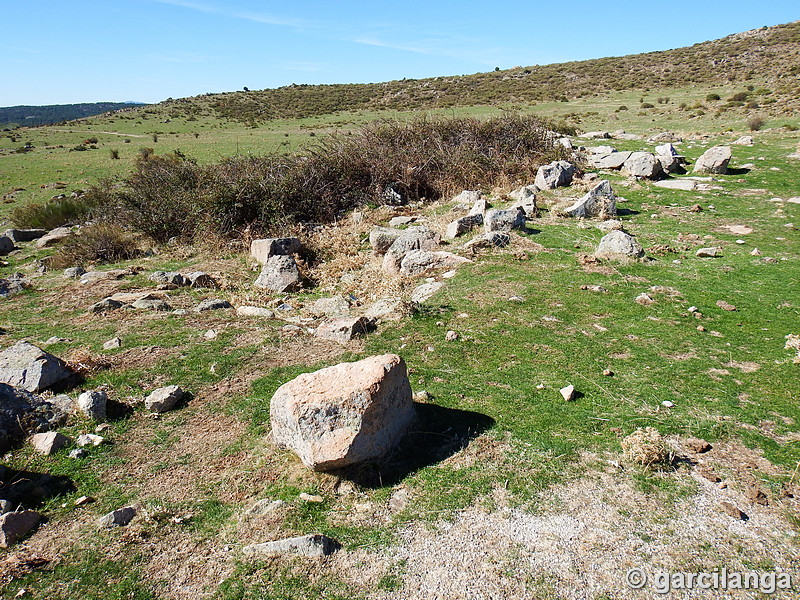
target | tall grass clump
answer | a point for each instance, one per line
(388, 161)
(96, 243)
(53, 213)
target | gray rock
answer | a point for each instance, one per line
(381, 238)
(74, 272)
(23, 413)
(665, 136)
(254, 311)
(343, 415)
(200, 279)
(25, 235)
(557, 174)
(12, 286)
(345, 329)
(6, 506)
(618, 244)
(78, 453)
(264, 507)
(386, 307)
(478, 207)
(400, 221)
(212, 304)
(152, 304)
(564, 142)
(504, 220)
(425, 291)
(53, 237)
(610, 225)
(168, 277)
(525, 198)
(94, 276)
(462, 225)
(6, 245)
(419, 262)
(643, 165)
(707, 253)
(112, 344)
(667, 150)
(117, 518)
(279, 274)
(329, 307)
(163, 399)
(49, 443)
(600, 202)
(687, 185)
(624, 135)
(412, 240)
(30, 368)
(600, 150)
(714, 160)
(16, 525)
(596, 135)
(745, 140)
(614, 160)
(106, 305)
(670, 163)
(304, 545)
(264, 249)
(493, 239)
(89, 439)
(467, 198)
(93, 404)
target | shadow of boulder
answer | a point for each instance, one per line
(436, 434)
(29, 489)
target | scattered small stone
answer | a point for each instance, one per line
(425, 291)
(400, 221)
(84, 500)
(695, 208)
(212, 304)
(112, 344)
(163, 399)
(106, 305)
(608, 372)
(6, 506)
(644, 299)
(156, 304)
(707, 253)
(451, 336)
(311, 498)
(594, 288)
(733, 511)
(756, 495)
(49, 443)
(668, 404)
(306, 545)
(74, 272)
(200, 279)
(93, 404)
(701, 328)
(78, 453)
(254, 311)
(345, 329)
(89, 439)
(568, 393)
(211, 334)
(422, 396)
(264, 507)
(516, 299)
(117, 518)
(725, 305)
(16, 525)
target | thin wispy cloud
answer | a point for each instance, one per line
(254, 17)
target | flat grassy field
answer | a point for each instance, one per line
(504, 490)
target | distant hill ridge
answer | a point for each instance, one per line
(770, 54)
(32, 116)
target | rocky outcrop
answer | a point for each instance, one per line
(264, 249)
(619, 244)
(557, 174)
(343, 415)
(30, 368)
(280, 274)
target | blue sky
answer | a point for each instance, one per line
(59, 51)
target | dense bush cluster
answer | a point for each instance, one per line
(383, 162)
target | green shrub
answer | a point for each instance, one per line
(790, 127)
(739, 97)
(713, 98)
(755, 122)
(621, 108)
(53, 213)
(647, 105)
(98, 243)
(422, 159)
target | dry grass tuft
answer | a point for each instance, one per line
(645, 447)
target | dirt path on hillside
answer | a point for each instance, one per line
(135, 135)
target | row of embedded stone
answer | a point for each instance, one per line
(25, 371)
(665, 161)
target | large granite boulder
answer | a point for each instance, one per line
(264, 249)
(619, 244)
(599, 202)
(714, 160)
(558, 173)
(409, 241)
(643, 165)
(30, 368)
(346, 414)
(280, 274)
